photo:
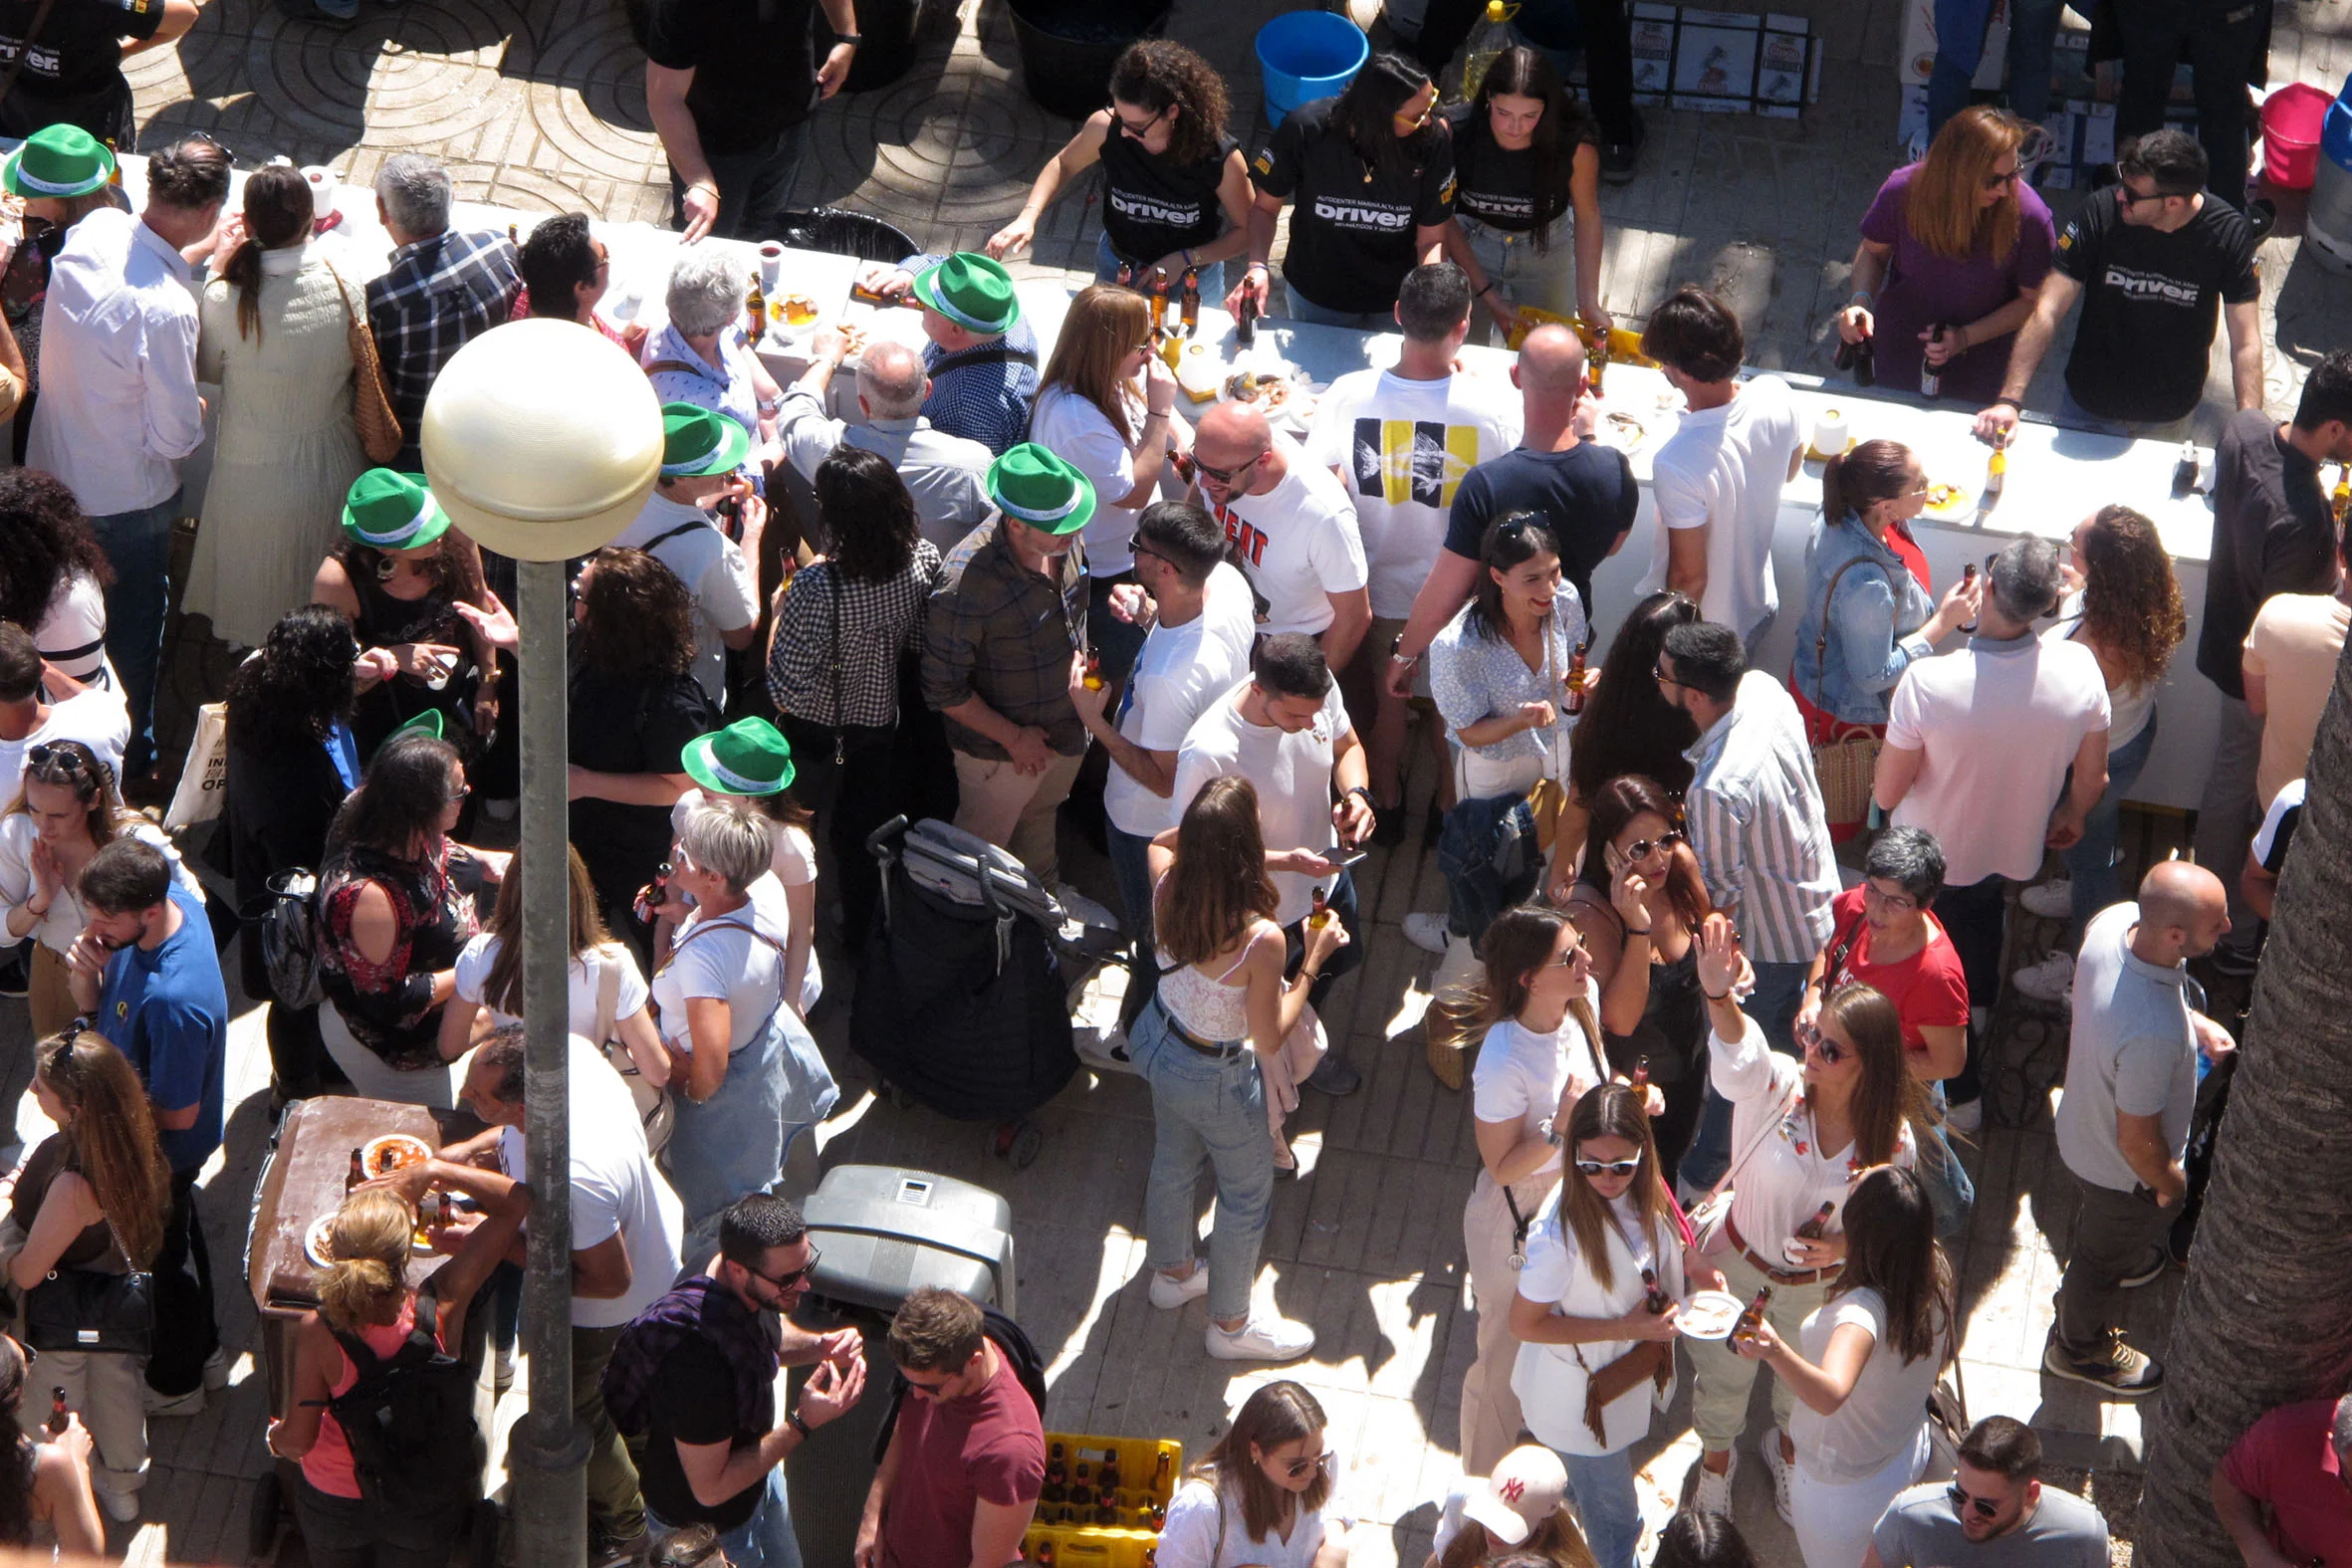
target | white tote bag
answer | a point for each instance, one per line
(205, 779)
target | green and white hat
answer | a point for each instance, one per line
(971, 291)
(388, 510)
(1032, 485)
(749, 757)
(695, 442)
(58, 160)
(428, 722)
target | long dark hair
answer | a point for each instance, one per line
(1366, 116)
(1567, 125)
(638, 625)
(1217, 884)
(1891, 1249)
(2131, 600)
(1887, 1096)
(293, 691)
(1618, 802)
(277, 215)
(400, 797)
(1512, 542)
(1156, 74)
(1628, 726)
(111, 1134)
(48, 540)
(1280, 1413)
(867, 512)
(1516, 945)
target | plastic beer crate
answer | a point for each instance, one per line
(1064, 1534)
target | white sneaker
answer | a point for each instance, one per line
(2051, 980)
(217, 1369)
(1173, 1293)
(2051, 900)
(120, 1506)
(1781, 1469)
(1264, 1337)
(1713, 1492)
(1427, 930)
(1968, 1116)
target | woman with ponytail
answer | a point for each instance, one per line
(363, 1294)
(94, 1196)
(274, 333)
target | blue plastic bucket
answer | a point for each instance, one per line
(1306, 54)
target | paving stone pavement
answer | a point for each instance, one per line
(539, 104)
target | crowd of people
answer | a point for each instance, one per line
(1724, 1020)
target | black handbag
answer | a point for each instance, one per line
(83, 1309)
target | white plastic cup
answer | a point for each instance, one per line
(323, 188)
(771, 265)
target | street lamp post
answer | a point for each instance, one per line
(542, 441)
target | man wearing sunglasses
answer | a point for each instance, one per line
(1994, 1513)
(696, 1375)
(1294, 526)
(2154, 267)
(31, 719)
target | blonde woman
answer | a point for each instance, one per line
(364, 1296)
(94, 1196)
(1958, 240)
(1105, 405)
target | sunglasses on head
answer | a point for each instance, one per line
(66, 756)
(1985, 1507)
(1608, 1167)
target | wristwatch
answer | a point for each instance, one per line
(795, 1422)
(1370, 804)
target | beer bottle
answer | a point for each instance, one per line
(1860, 358)
(1045, 1554)
(2339, 500)
(59, 1416)
(1126, 275)
(1108, 1474)
(1159, 304)
(1996, 473)
(1151, 1557)
(1244, 324)
(1080, 1491)
(1931, 379)
(1320, 915)
(1597, 361)
(1056, 1484)
(1653, 1299)
(757, 309)
(1575, 681)
(1092, 680)
(1191, 300)
(356, 1174)
(1640, 1078)
(1817, 1226)
(1752, 1313)
(1107, 1513)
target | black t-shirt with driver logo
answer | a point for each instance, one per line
(1351, 224)
(2150, 301)
(73, 74)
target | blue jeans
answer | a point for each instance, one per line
(765, 1540)
(1212, 1113)
(1131, 871)
(2090, 864)
(2033, 39)
(1341, 900)
(1951, 1191)
(1960, 49)
(732, 1144)
(1303, 309)
(1107, 270)
(753, 186)
(139, 546)
(1523, 274)
(1773, 1004)
(1603, 1485)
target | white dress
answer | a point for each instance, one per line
(289, 449)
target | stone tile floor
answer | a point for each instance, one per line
(539, 104)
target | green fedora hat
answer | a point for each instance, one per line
(695, 442)
(388, 510)
(428, 722)
(971, 291)
(749, 757)
(1032, 483)
(58, 160)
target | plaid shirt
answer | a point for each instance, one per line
(1001, 632)
(439, 294)
(980, 393)
(847, 674)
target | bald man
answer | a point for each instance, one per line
(1290, 519)
(2123, 1124)
(946, 474)
(1583, 490)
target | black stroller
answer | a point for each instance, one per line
(965, 993)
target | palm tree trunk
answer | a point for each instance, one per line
(2266, 1316)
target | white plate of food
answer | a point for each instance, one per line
(1285, 393)
(1708, 1315)
(393, 1152)
(1949, 501)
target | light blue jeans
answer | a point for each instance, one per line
(732, 1144)
(1204, 1113)
(1951, 1193)
(1522, 274)
(1603, 1485)
(2090, 864)
(139, 546)
(1107, 270)
(765, 1540)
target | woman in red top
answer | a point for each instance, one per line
(365, 1293)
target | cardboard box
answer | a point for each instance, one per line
(1916, 61)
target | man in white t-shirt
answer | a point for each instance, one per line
(1202, 623)
(627, 1230)
(699, 456)
(1294, 526)
(1979, 745)
(94, 716)
(1717, 478)
(1401, 441)
(1286, 729)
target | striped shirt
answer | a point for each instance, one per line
(1755, 819)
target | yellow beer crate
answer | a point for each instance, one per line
(1082, 1523)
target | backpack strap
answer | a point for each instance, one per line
(423, 1334)
(664, 537)
(997, 353)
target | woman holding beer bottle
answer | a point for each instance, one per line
(1526, 176)
(1800, 1134)
(1596, 1307)
(1862, 1368)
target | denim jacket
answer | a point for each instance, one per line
(1879, 605)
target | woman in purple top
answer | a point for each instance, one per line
(1956, 240)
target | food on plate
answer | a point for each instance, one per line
(1947, 498)
(798, 309)
(393, 1152)
(1628, 431)
(1708, 1315)
(1269, 392)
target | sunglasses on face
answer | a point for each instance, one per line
(1658, 674)
(1226, 476)
(1133, 128)
(787, 1280)
(1819, 1044)
(1566, 960)
(1608, 1167)
(1640, 849)
(1984, 1507)
(1995, 180)
(1295, 1468)
(2132, 198)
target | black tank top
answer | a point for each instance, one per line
(1153, 207)
(385, 619)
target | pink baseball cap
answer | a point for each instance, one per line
(1524, 1491)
